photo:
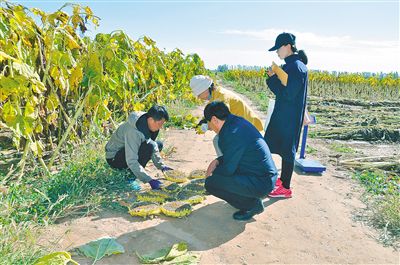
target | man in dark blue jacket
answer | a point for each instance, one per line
(245, 173)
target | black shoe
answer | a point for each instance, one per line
(239, 213)
(244, 215)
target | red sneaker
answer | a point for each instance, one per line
(280, 192)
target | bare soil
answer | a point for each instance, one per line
(315, 226)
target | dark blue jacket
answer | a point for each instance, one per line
(284, 128)
(244, 150)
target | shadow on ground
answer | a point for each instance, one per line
(206, 228)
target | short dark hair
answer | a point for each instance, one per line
(217, 109)
(158, 113)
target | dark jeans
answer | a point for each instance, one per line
(242, 192)
(286, 173)
(145, 153)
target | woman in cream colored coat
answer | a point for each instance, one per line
(204, 88)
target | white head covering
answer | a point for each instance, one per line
(200, 83)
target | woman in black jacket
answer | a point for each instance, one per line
(283, 131)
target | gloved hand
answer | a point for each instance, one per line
(134, 185)
(166, 168)
(155, 184)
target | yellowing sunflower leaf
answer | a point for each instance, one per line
(176, 251)
(52, 102)
(37, 86)
(165, 254)
(186, 259)
(95, 21)
(29, 111)
(72, 43)
(20, 15)
(26, 125)
(9, 113)
(4, 56)
(56, 258)
(37, 11)
(94, 69)
(99, 248)
(88, 11)
(26, 70)
(52, 118)
(103, 112)
(148, 41)
(76, 19)
(76, 10)
(76, 77)
(138, 106)
(39, 128)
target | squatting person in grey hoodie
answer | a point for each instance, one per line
(133, 144)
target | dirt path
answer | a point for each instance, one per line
(315, 226)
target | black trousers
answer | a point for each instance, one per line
(145, 153)
(242, 192)
(286, 173)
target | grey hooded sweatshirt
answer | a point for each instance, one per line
(127, 135)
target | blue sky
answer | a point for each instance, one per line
(337, 35)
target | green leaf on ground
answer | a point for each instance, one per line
(99, 248)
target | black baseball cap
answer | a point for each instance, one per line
(283, 39)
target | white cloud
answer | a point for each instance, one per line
(341, 53)
(314, 40)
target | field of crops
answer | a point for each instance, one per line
(347, 106)
(61, 93)
(356, 120)
(57, 86)
(60, 89)
(350, 108)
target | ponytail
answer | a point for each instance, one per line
(303, 56)
(301, 53)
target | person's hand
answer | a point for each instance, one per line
(166, 168)
(201, 127)
(155, 184)
(265, 72)
(202, 121)
(213, 165)
(270, 72)
(199, 130)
